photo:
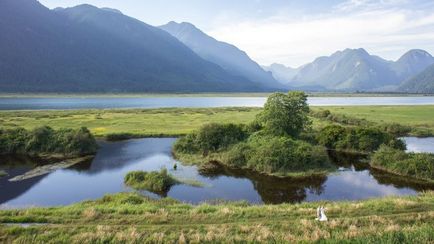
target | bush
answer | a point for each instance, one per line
(339, 118)
(418, 165)
(211, 138)
(395, 129)
(271, 154)
(46, 140)
(360, 139)
(157, 182)
(119, 136)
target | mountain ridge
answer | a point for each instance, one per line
(75, 50)
(357, 70)
(228, 56)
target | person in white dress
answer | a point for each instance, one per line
(320, 214)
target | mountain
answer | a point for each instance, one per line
(421, 83)
(353, 70)
(225, 55)
(348, 70)
(281, 73)
(87, 49)
(412, 63)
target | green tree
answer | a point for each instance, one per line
(285, 114)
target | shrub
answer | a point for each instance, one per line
(395, 129)
(157, 182)
(211, 138)
(360, 139)
(280, 154)
(46, 140)
(270, 154)
(119, 136)
(418, 165)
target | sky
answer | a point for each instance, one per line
(293, 32)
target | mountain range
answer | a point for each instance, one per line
(227, 56)
(354, 70)
(421, 83)
(87, 49)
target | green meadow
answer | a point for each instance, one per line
(180, 121)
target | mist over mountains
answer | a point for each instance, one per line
(85, 49)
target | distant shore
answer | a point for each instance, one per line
(210, 94)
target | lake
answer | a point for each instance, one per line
(41, 103)
(104, 174)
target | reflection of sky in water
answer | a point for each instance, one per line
(415, 144)
(350, 185)
(114, 160)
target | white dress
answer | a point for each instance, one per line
(323, 217)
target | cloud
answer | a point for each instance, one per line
(387, 28)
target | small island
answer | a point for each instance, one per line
(156, 182)
(276, 143)
(282, 142)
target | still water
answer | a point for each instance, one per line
(192, 102)
(104, 174)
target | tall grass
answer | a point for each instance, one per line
(131, 218)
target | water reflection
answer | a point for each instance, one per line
(105, 173)
(22, 103)
(271, 189)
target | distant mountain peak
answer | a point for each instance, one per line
(417, 53)
(112, 10)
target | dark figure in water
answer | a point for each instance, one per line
(175, 166)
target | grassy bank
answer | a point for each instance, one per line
(180, 121)
(130, 218)
(419, 118)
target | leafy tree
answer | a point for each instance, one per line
(285, 114)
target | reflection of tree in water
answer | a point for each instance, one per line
(360, 163)
(271, 189)
(399, 181)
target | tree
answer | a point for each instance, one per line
(285, 114)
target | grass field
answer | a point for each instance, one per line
(130, 218)
(143, 122)
(179, 121)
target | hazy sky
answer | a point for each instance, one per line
(293, 32)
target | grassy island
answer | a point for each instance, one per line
(272, 144)
(46, 142)
(157, 182)
(131, 218)
(3, 173)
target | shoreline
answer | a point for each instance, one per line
(205, 94)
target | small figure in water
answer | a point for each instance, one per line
(320, 214)
(175, 166)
